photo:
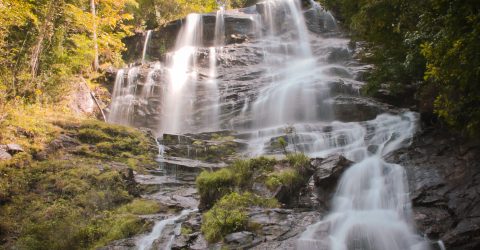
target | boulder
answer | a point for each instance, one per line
(329, 170)
(63, 142)
(241, 240)
(4, 155)
(80, 99)
(14, 149)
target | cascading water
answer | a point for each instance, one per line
(145, 45)
(371, 207)
(123, 96)
(213, 109)
(295, 76)
(149, 85)
(181, 67)
(145, 242)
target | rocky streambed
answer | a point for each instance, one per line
(443, 179)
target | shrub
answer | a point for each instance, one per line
(230, 214)
(213, 185)
(240, 174)
(290, 178)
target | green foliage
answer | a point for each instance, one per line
(435, 42)
(290, 178)
(298, 160)
(73, 205)
(214, 185)
(44, 44)
(230, 214)
(283, 144)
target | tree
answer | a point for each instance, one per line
(94, 34)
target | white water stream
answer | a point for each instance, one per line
(145, 242)
(145, 45)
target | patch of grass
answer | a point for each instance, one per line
(89, 135)
(186, 230)
(73, 198)
(230, 214)
(240, 174)
(213, 185)
(70, 204)
(30, 125)
(298, 160)
(140, 207)
(290, 178)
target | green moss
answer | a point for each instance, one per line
(230, 214)
(120, 227)
(186, 230)
(140, 207)
(89, 135)
(76, 198)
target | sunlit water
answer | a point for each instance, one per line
(145, 45)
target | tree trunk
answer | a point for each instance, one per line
(44, 31)
(95, 43)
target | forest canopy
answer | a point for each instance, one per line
(432, 44)
(45, 44)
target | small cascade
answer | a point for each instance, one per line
(145, 45)
(123, 97)
(325, 17)
(371, 207)
(181, 67)
(293, 70)
(146, 242)
(212, 121)
(149, 85)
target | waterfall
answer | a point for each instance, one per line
(287, 89)
(181, 67)
(147, 89)
(212, 121)
(145, 45)
(123, 96)
(371, 207)
(295, 73)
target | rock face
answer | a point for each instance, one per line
(81, 101)
(444, 177)
(278, 229)
(238, 28)
(329, 170)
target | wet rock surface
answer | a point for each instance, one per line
(444, 177)
(238, 29)
(242, 72)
